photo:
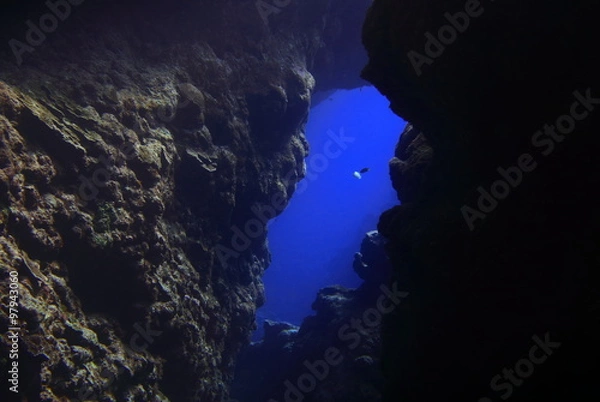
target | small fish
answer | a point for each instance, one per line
(358, 174)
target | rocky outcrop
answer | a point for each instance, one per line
(495, 237)
(408, 167)
(143, 147)
(334, 354)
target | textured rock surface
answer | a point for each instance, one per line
(282, 364)
(135, 142)
(528, 265)
(408, 167)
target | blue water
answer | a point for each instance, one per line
(314, 240)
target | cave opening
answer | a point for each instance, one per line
(314, 240)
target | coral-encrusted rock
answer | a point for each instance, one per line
(136, 142)
(372, 264)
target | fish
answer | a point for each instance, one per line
(358, 174)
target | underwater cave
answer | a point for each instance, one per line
(299, 201)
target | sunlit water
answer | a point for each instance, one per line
(313, 241)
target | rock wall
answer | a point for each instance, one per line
(143, 146)
(496, 237)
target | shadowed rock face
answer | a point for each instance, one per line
(143, 146)
(489, 282)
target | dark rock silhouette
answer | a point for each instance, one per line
(521, 261)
